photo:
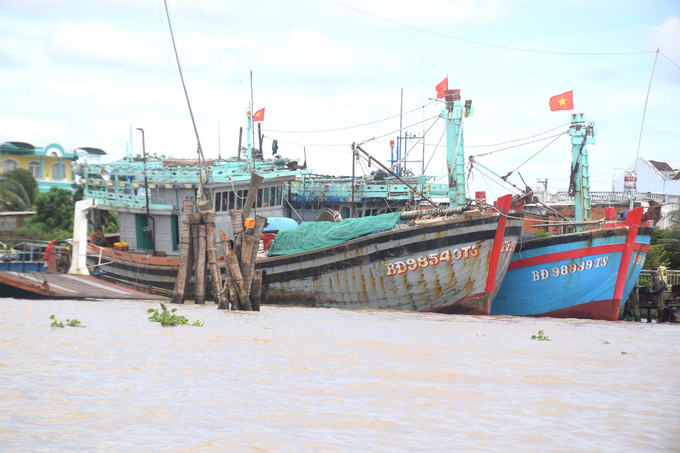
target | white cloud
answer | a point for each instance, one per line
(666, 36)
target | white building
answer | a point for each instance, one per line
(658, 180)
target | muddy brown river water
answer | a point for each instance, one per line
(301, 379)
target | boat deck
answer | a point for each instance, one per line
(30, 285)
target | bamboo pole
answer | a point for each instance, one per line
(186, 254)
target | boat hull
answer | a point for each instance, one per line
(585, 275)
(446, 266)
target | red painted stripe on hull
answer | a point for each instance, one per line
(470, 305)
(571, 254)
(503, 207)
(633, 220)
(605, 310)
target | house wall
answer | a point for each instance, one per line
(649, 179)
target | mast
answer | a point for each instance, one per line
(454, 113)
(579, 184)
(249, 142)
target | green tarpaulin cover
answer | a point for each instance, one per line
(314, 235)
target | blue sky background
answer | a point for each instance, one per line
(79, 73)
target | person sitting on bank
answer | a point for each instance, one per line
(97, 238)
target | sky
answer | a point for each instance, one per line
(330, 73)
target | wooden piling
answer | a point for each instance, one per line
(213, 265)
(199, 278)
(256, 290)
(185, 254)
(255, 181)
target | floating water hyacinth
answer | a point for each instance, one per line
(540, 337)
(169, 318)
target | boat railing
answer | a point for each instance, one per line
(564, 197)
(25, 255)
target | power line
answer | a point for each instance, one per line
(349, 127)
(487, 44)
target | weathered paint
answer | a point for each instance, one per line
(596, 291)
(349, 265)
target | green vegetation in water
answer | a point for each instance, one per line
(624, 352)
(69, 322)
(169, 318)
(628, 318)
(540, 337)
(604, 342)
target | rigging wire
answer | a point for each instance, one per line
(535, 154)
(521, 144)
(644, 111)
(350, 127)
(673, 63)
(432, 155)
(487, 44)
(497, 182)
(394, 132)
(520, 139)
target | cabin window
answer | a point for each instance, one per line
(34, 168)
(279, 194)
(265, 196)
(9, 165)
(259, 198)
(225, 201)
(218, 201)
(232, 201)
(272, 196)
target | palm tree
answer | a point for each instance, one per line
(17, 190)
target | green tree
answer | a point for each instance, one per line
(54, 210)
(17, 190)
(26, 179)
(656, 256)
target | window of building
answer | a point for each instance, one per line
(9, 165)
(258, 203)
(279, 194)
(34, 168)
(55, 171)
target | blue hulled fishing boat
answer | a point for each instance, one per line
(587, 274)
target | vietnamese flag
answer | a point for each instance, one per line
(564, 101)
(442, 87)
(259, 115)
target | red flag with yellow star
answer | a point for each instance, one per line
(442, 87)
(259, 115)
(564, 101)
